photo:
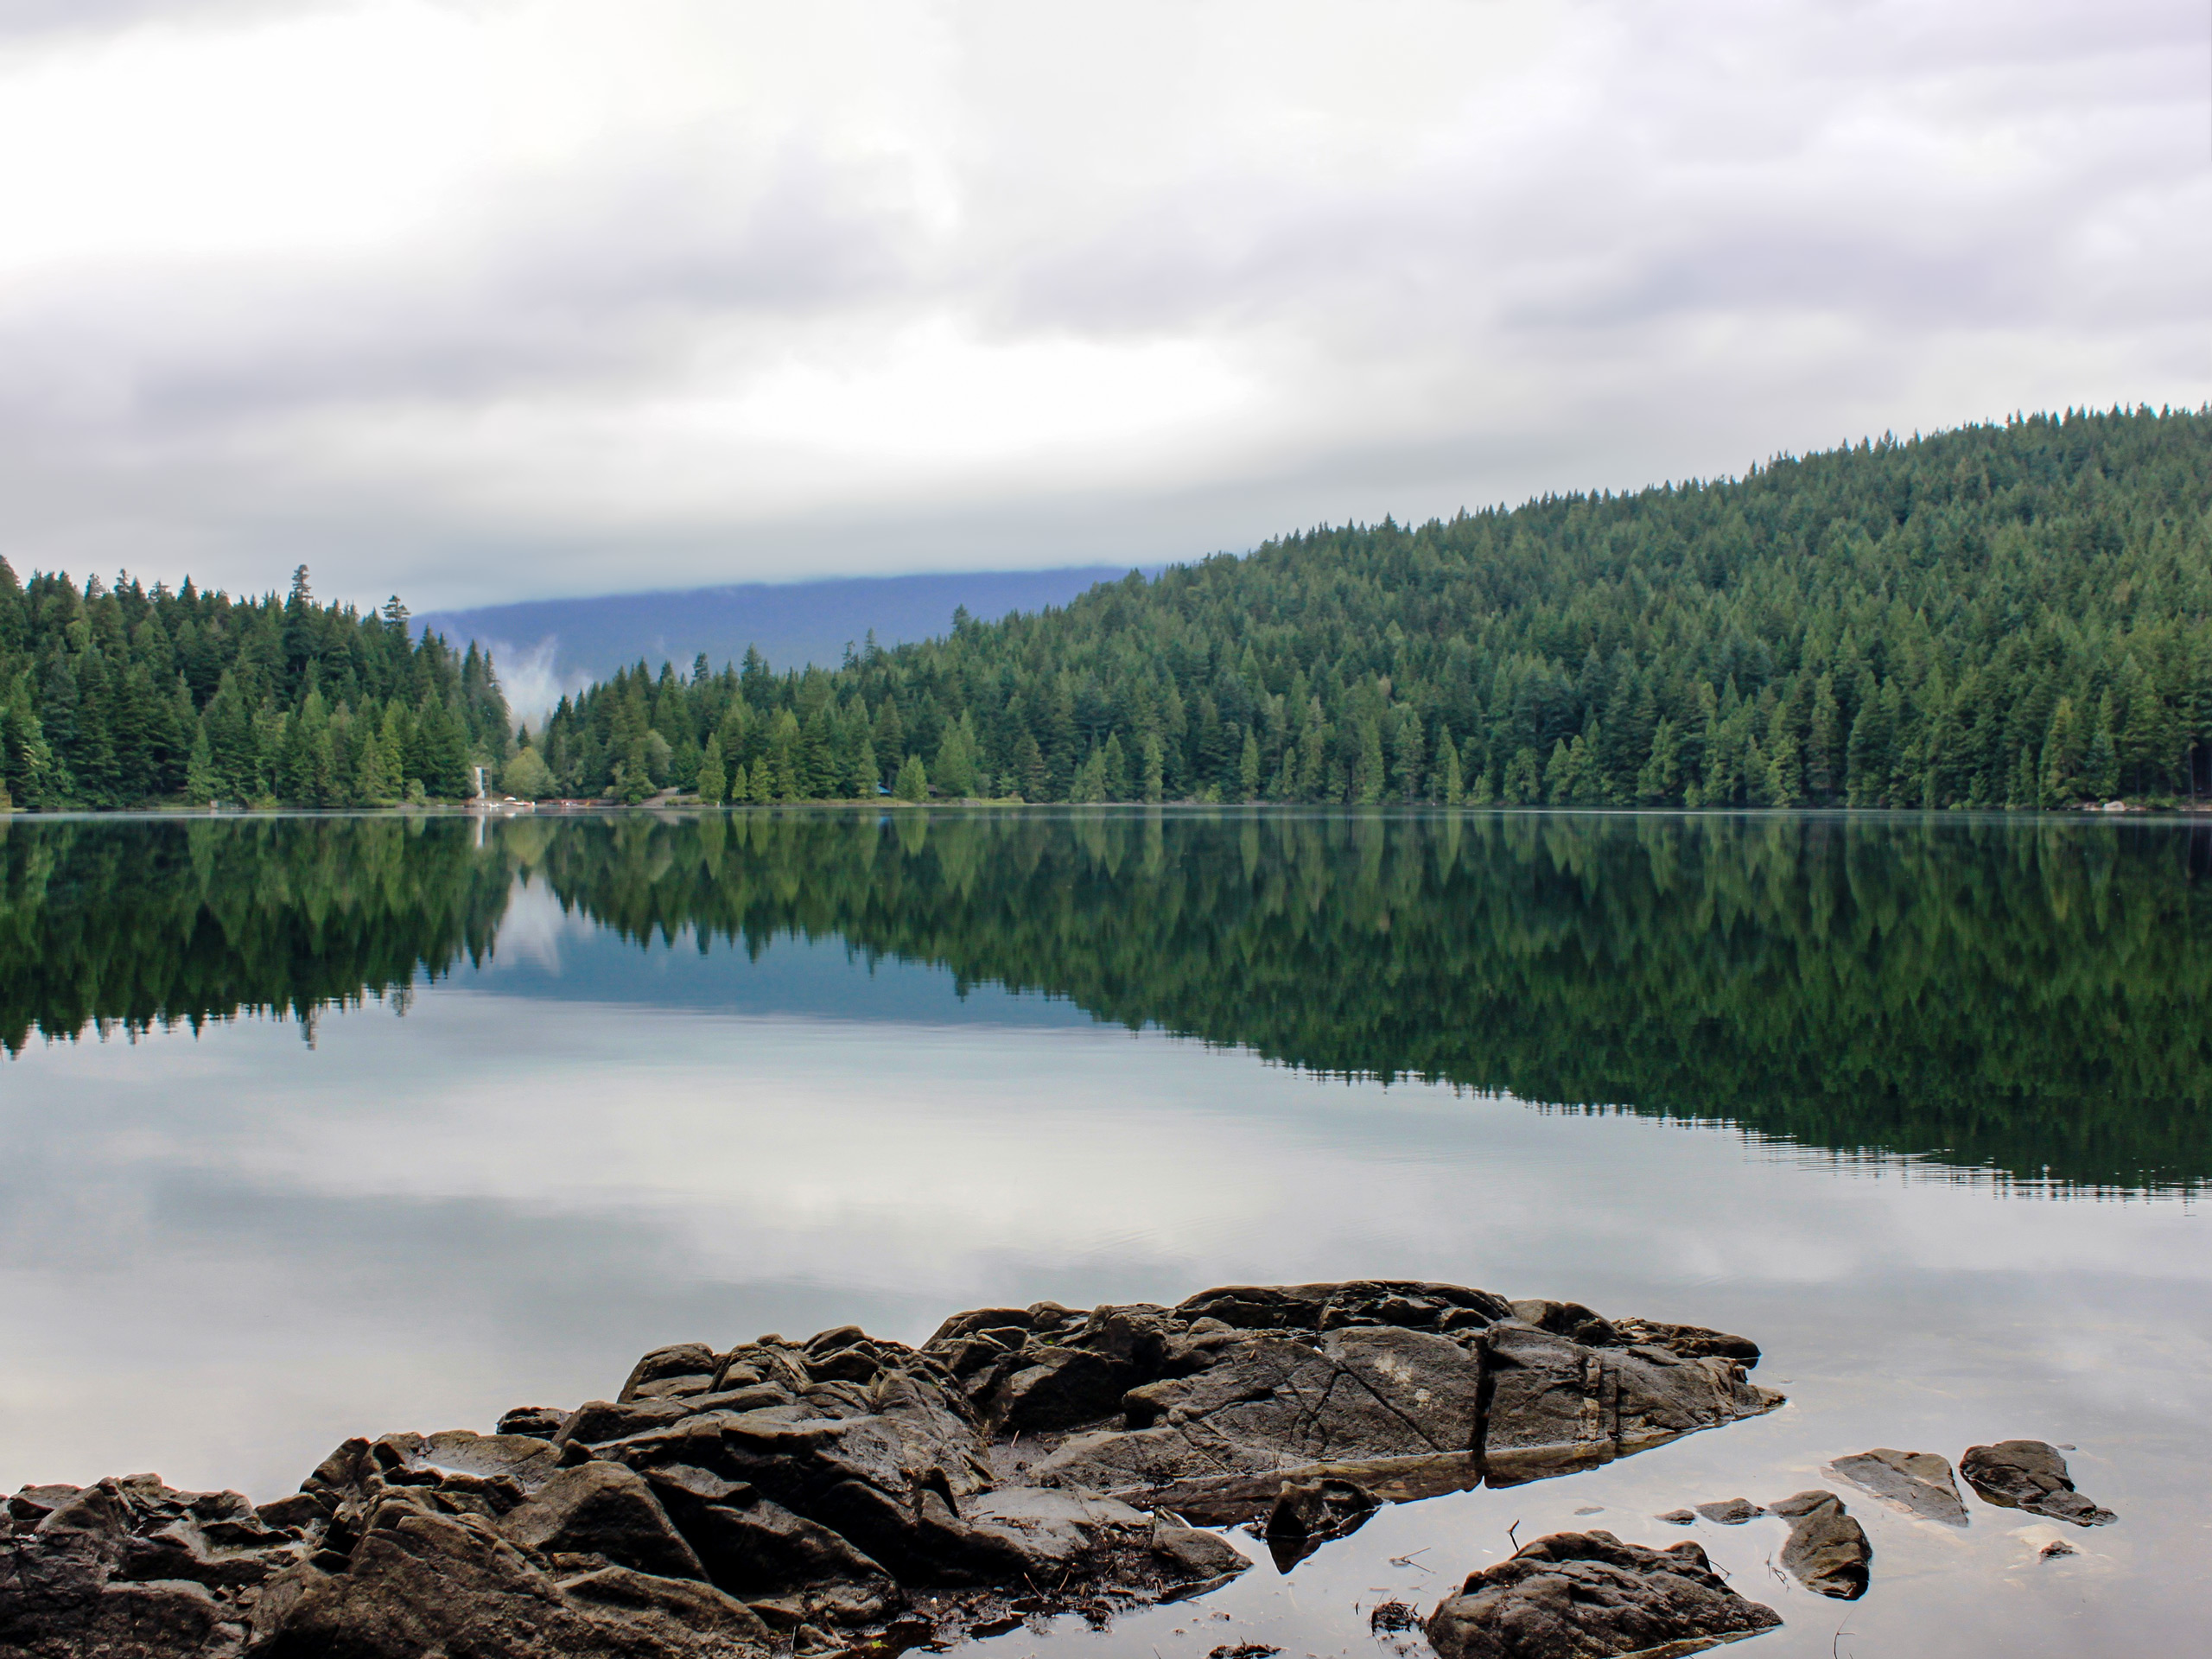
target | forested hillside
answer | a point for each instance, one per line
(2016, 614)
(118, 697)
(2013, 615)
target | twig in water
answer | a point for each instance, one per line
(1510, 1538)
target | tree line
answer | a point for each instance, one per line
(120, 696)
(2016, 614)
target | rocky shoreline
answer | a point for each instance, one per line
(850, 1494)
(847, 1492)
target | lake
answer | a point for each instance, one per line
(316, 1126)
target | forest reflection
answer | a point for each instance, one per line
(2022, 997)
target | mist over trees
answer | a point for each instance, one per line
(119, 697)
(2014, 615)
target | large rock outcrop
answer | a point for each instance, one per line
(1022, 1462)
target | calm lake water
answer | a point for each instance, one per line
(319, 1126)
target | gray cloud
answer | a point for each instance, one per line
(1007, 294)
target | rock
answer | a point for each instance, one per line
(1546, 1392)
(1411, 1304)
(2056, 1548)
(420, 1584)
(1827, 1551)
(684, 1606)
(603, 1509)
(132, 1569)
(753, 1547)
(1731, 1511)
(597, 1421)
(1053, 1529)
(2029, 1475)
(1919, 1483)
(1575, 1594)
(542, 1422)
(858, 1492)
(689, 1361)
(1678, 1517)
(1268, 1404)
(1569, 1319)
(1192, 1552)
(1308, 1513)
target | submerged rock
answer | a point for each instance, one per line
(850, 1489)
(1918, 1482)
(1827, 1551)
(1731, 1511)
(2029, 1475)
(1308, 1513)
(1578, 1595)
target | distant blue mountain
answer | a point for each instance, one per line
(548, 646)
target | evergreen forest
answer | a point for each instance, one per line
(120, 696)
(2014, 615)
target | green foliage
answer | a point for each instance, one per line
(119, 697)
(913, 782)
(527, 777)
(1889, 625)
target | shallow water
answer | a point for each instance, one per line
(1916, 1105)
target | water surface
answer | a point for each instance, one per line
(315, 1126)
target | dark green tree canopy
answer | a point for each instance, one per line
(2003, 615)
(119, 697)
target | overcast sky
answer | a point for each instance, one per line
(498, 299)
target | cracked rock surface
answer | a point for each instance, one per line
(778, 1496)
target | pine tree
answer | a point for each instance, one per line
(913, 782)
(713, 781)
(1154, 764)
(201, 782)
(1114, 768)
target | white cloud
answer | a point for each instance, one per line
(517, 297)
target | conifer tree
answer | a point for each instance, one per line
(913, 782)
(200, 783)
(712, 779)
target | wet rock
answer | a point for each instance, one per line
(2056, 1548)
(1827, 1551)
(1731, 1511)
(420, 1584)
(671, 1605)
(1306, 1513)
(2029, 1475)
(1193, 1553)
(850, 1489)
(1270, 1404)
(1326, 1306)
(1919, 1483)
(689, 1362)
(1678, 1517)
(1544, 1390)
(603, 1509)
(1586, 1593)
(1569, 1319)
(541, 1422)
